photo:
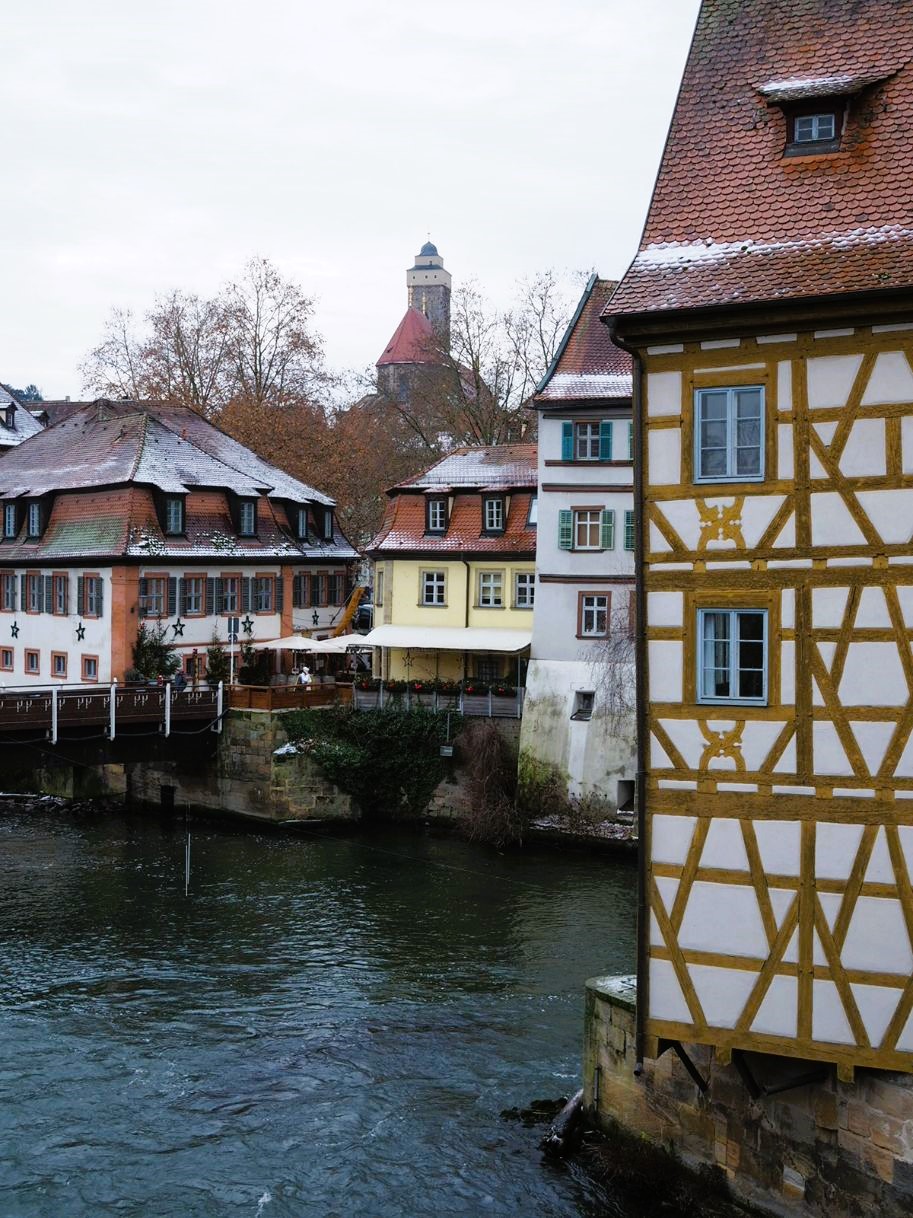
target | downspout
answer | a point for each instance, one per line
(640, 676)
(466, 612)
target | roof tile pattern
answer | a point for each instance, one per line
(588, 364)
(496, 466)
(403, 528)
(734, 220)
(411, 342)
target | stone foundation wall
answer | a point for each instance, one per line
(826, 1150)
(245, 777)
(451, 799)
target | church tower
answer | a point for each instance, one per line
(428, 285)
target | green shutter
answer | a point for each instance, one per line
(630, 441)
(629, 530)
(565, 530)
(567, 441)
(607, 531)
(605, 440)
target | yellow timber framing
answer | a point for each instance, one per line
(804, 944)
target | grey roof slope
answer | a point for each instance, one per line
(497, 466)
(170, 447)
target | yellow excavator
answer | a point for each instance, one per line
(343, 626)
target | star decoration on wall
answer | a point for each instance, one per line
(80, 632)
(14, 630)
(248, 625)
(315, 618)
(178, 629)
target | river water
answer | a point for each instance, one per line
(322, 1027)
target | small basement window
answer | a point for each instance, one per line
(583, 704)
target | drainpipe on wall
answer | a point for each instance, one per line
(466, 612)
(640, 676)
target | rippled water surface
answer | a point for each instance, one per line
(321, 1027)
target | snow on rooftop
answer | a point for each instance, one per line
(839, 84)
(675, 253)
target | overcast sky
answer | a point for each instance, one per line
(155, 146)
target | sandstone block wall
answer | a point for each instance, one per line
(246, 777)
(816, 1151)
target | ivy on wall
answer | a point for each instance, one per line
(388, 760)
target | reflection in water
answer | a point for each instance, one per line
(322, 1027)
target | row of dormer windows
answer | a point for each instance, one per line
(173, 518)
(493, 514)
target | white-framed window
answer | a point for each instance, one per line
(92, 596)
(491, 589)
(437, 515)
(809, 128)
(302, 524)
(594, 614)
(9, 520)
(58, 663)
(629, 530)
(8, 593)
(61, 594)
(729, 434)
(34, 520)
(34, 597)
(231, 594)
(494, 515)
(732, 655)
(328, 524)
(32, 661)
(90, 668)
(533, 517)
(263, 594)
(587, 529)
(434, 587)
(248, 518)
(174, 515)
(586, 441)
(524, 589)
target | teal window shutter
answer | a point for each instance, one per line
(565, 530)
(630, 441)
(607, 531)
(567, 441)
(629, 530)
(605, 440)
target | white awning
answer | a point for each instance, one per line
(292, 642)
(448, 638)
(338, 645)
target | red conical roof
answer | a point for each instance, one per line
(410, 343)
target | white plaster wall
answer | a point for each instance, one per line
(46, 632)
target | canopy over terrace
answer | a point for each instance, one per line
(465, 640)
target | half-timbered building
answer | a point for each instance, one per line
(770, 314)
(126, 513)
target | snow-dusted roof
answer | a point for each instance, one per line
(588, 365)
(498, 466)
(23, 422)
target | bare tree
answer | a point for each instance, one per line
(612, 663)
(251, 343)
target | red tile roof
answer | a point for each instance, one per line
(588, 365)
(733, 219)
(403, 528)
(412, 341)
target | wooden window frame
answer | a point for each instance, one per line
(582, 595)
(161, 578)
(84, 607)
(33, 579)
(489, 530)
(183, 611)
(233, 577)
(727, 599)
(58, 579)
(87, 679)
(424, 572)
(436, 501)
(531, 587)
(594, 510)
(255, 593)
(31, 672)
(55, 656)
(11, 652)
(10, 512)
(244, 503)
(14, 584)
(33, 513)
(630, 531)
(701, 479)
(181, 502)
(483, 572)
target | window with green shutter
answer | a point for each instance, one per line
(565, 530)
(605, 440)
(629, 530)
(630, 441)
(567, 441)
(607, 529)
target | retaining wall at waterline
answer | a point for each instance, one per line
(823, 1150)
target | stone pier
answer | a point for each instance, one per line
(244, 776)
(816, 1151)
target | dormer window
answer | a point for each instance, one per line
(34, 520)
(10, 521)
(328, 524)
(174, 515)
(813, 128)
(247, 518)
(437, 516)
(493, 514)
(302, 518)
